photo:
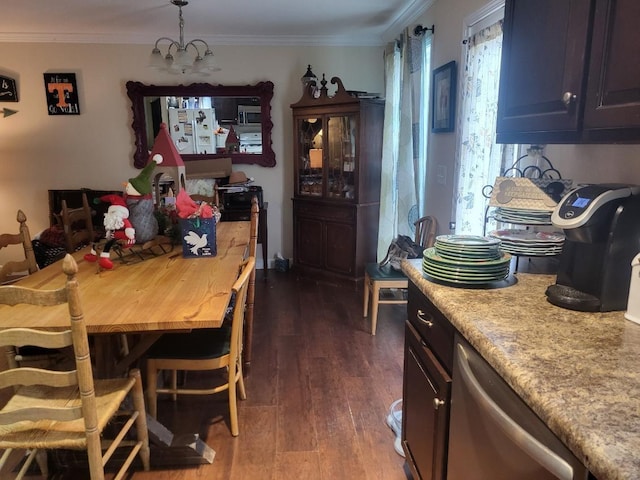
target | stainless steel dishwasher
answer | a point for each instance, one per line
(494, 435)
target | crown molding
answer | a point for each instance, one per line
(409, 15)
(361, 40)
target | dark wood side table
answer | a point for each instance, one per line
(245, 215)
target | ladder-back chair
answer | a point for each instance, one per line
(77, 224)
(15, 269)
(65, 409)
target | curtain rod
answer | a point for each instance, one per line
(419, 30)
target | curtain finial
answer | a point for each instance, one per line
(419, 30)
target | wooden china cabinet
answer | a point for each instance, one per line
(337, 162)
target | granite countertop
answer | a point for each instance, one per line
(580, 372)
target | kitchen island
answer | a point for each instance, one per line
(580, 372)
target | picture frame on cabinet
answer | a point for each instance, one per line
(61, 91)
(443, 87)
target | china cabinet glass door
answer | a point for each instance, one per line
(327, 156)
(341, 156)
(310, 178)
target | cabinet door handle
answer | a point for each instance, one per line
(569, 99)
(422, 318)
(437, 403)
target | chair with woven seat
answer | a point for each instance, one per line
(15, 269)
(66, 409)
(77, 224)
(383, 284)
(202, 350)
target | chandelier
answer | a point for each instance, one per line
(178, 60)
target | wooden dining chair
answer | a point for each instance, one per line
(66, 409)
(251, 290)
(384, 285)
(77, 224)
(13, 270)
(204, 349)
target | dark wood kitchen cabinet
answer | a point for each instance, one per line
(612, 110)
(426, 392)
(337, 165)
(570, 72)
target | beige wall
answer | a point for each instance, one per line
(582, 163)
(94, 150)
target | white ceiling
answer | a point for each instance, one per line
(272, 22)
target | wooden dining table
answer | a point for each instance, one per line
(165, 292)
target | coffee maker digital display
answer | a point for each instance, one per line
(601, 224)
(581, 202)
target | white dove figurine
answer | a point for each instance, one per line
(197, 242)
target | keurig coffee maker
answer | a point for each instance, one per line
(602, 235)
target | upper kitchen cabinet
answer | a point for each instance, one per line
(570, 72)
(612, 110)
(337, 165)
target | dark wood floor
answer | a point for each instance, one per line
(318, 392)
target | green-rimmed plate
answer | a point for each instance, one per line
(467, 247)
(468, 241)
(465, 277)
(432, 256)
(463, 280)
(482, 270)
(468, 256)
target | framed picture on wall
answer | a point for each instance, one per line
(444, 98)
(8, 89)
(61, 91)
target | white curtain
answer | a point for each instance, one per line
(479, 159)
(402, 163)
(388, 203)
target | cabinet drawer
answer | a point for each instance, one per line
(433, 327)
(325, 212)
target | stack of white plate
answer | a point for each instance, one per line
(466, 259)
(528, 242)
(518, 215)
